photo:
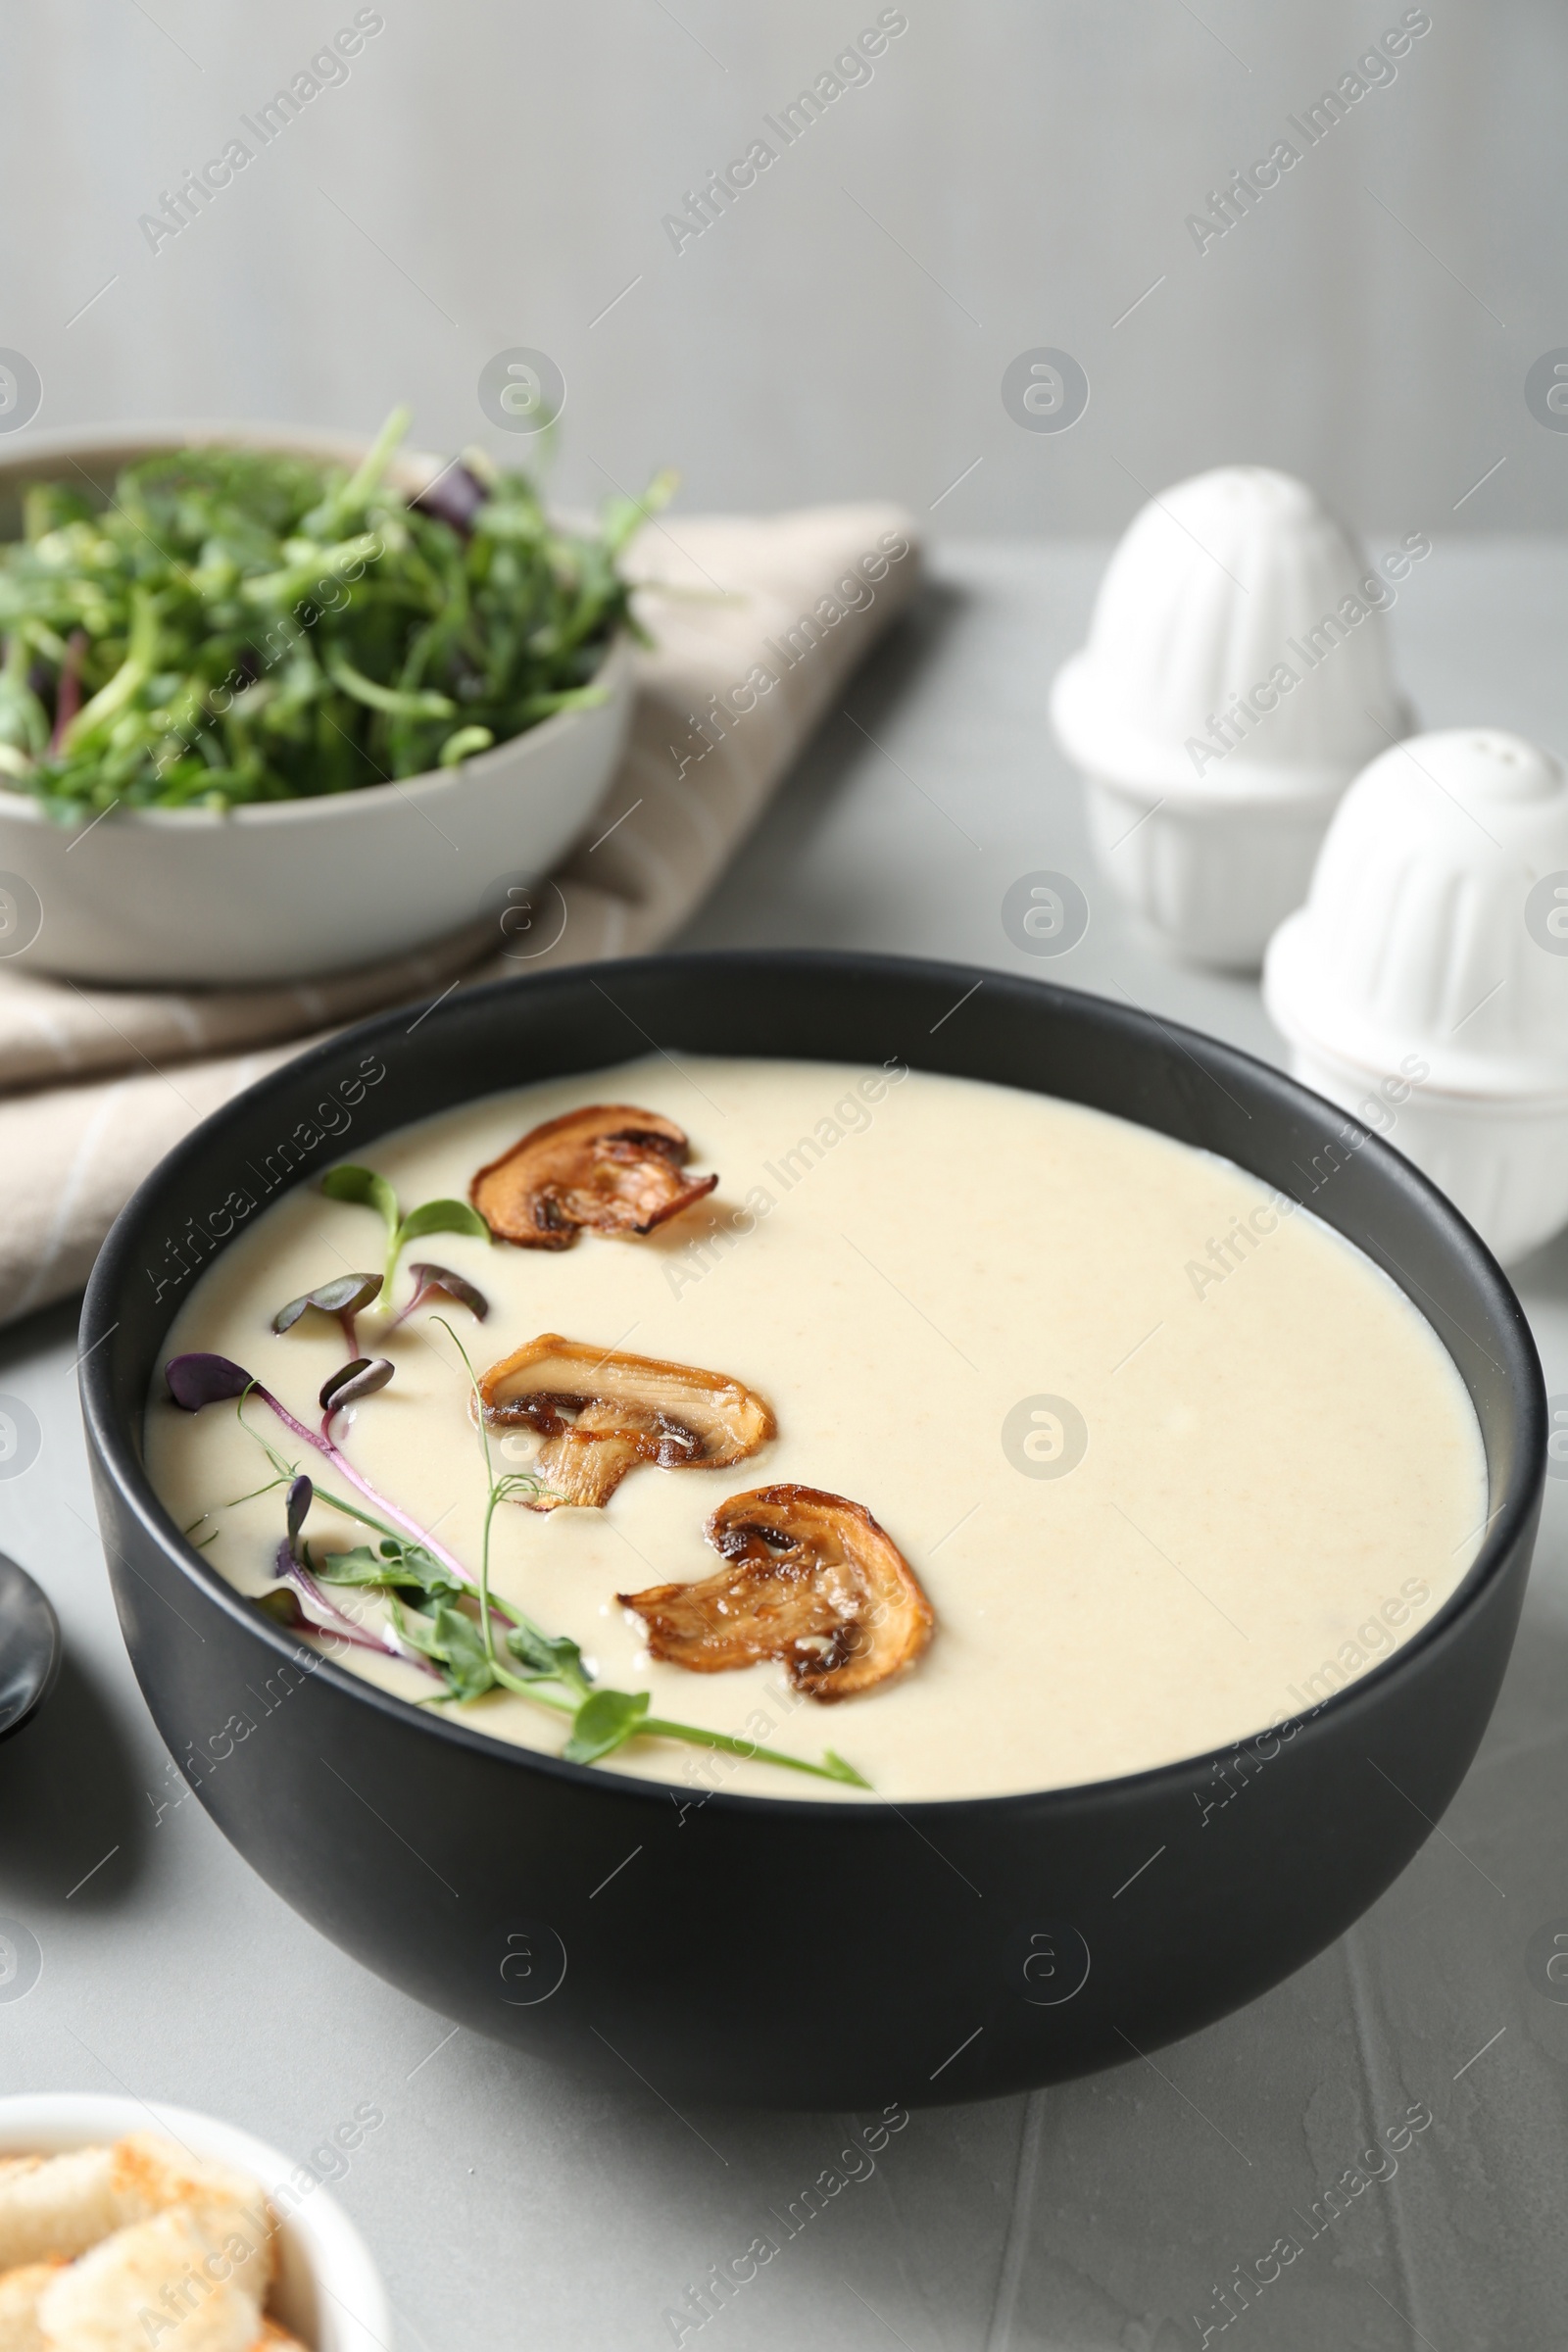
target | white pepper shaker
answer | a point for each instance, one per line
(1235, 679)
(1424, 985)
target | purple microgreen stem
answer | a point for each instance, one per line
(198, 1380)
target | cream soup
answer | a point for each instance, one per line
(1169, 1464)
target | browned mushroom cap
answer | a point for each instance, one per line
(810, 1579)
(601, 1412)
(610, 1165)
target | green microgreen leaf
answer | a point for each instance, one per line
(397, 1565)
(451, 1641)
(548, 1658)
(605, 1720)
(366, 1188)
(364, 1185)
(442, 1216)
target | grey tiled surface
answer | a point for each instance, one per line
(511, 2207)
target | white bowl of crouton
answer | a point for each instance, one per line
(126, 2227)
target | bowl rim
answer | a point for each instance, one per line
(1511, 1518)
(413, 470)
(333, 2251)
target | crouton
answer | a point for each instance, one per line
(152, 2175)
(57, 2205)
(61, 2205)
(19, 2290)
(158, 2282)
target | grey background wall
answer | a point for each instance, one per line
(1009, 176)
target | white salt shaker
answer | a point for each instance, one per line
(1235, 679)
(1424, 985)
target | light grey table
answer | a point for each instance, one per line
(510, 2207)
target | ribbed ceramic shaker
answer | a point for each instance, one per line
(1424, 985)
(1235, 679)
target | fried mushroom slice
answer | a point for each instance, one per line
(809, 1579)
(601, 1412)
(609, 1167)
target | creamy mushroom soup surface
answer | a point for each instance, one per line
(1168, 1465)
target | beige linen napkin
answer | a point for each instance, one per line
(764, 622)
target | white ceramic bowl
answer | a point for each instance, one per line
(290, 890)
(328, 2291)
(1234, 678)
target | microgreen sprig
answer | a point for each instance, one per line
(300, 1600)
(370, 1191)
(409, 1562)
(197, 1380)
(549, 1658)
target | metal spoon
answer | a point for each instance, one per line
(30, 1647)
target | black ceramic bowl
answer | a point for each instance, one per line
(788, 1952)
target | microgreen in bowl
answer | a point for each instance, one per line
(370, 1191)
(344, 1297)
(241, 625)
(439, 1615)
